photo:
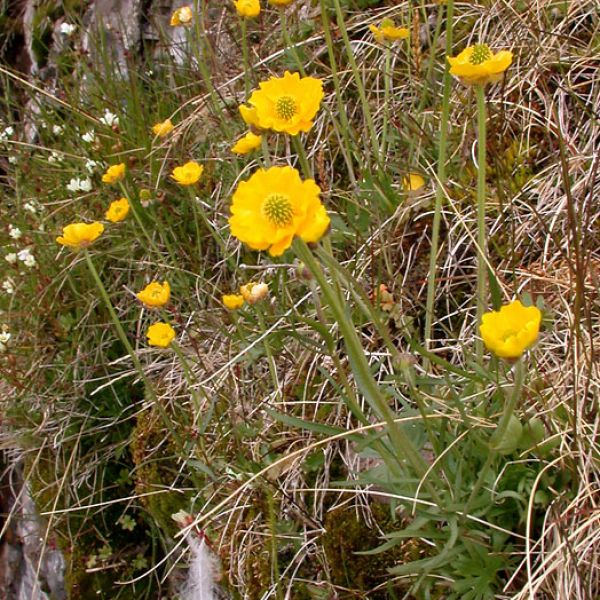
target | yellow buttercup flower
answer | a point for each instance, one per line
(247, 8)
(477, 65)
(233, 301)
(155, 294)
(188, 174)
(117, 210)
(280, 2)
(249, 115)
(163, 129)
(114, 173)
(254, 292)
(275, 205)
(160, 334)
(285, 104)
(80, 235)
(388, 32)
(509, 331)
(182, 16)
(246, 144)
(412, 182)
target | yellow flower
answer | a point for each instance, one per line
(162, 129)
(233, 301)
(280, 2)
(247, 8)
(160, 334)
(285, 104)
(249, 115)
(275, 205)
(117, 210)
(246, 144)
(114, 173)
(477, 65)
(388, 32)
(155, 294)
(254, 292)
(182, 16)
(412, 182)
(79, 235)
(511, 330)
(189, 174)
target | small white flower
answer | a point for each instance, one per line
(109, 119)
(26, 257)
(90, 165)
(8, 286)
(12, 160)
(4, 338)
(30, 207)
(89, 136)
(67, 29)
(85, 185)
(73, 185)
(55, 157)
(8, 132)
(58, 129)
(14, 232)
(11, 258)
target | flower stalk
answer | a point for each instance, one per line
(481, 230)
(439, 189)
(403, 447)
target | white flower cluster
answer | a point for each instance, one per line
(8, 286)
(4, 338)
(89, 136)
(33, 207)
(67, 29)
(109, 119)
(58, 129)
(90, 165)
(55, 157)
(80, 185)
(14, 232)
(25, 256)
(6, 133)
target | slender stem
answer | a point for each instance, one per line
(387, 85)
(439, 189)
(357, 80)
(265, 150)
(123, 337)
(403, 446)
(245, 57)
(287, 41)
(512, 397)
(299, 148)
(481, 231)
(270, 359)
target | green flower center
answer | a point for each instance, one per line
(481, 53)
(278, 210)
(286, 107)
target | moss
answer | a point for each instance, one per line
(345, 535)
(156, 468)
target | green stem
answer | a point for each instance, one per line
(481, 231)
(387, 83)
(299, 148)
(403, 446)
(439, 189)
(265, 150)
(270, 359)
(245, 57)
(513, 396)
(357, 79)
(136, 361)
(287, 41)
